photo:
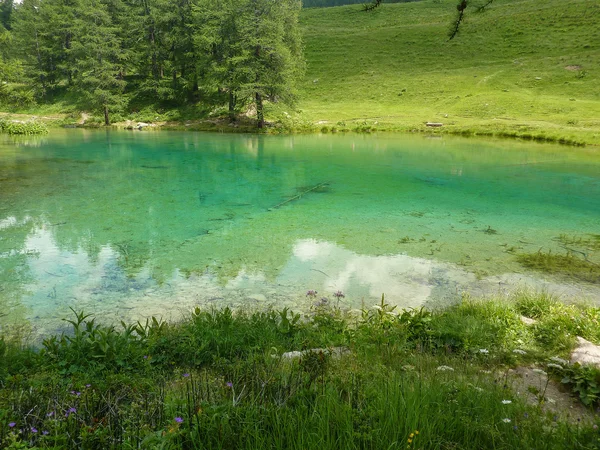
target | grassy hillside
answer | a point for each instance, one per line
(530, 67)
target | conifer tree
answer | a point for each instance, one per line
(99, 60)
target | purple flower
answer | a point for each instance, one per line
(12, 424)
(229, 384)
(33, 430)
(339, 294)
(185, 375)
(145, 356)
(45, 433)
(178, 420)
(88, 385)
(72, 410)
(50, 414)
(311, 293)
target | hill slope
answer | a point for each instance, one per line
(527, 67)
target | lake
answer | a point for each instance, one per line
(125, 225)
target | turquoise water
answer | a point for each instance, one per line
(131, 224)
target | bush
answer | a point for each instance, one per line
(22, 128)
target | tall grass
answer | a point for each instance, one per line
(219, 379)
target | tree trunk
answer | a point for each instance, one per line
(106, 118)
(260, 114)
(231, 106)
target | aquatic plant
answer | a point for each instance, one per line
(568, 264)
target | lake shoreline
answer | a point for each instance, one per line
(548, 134)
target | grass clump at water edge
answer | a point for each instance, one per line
(223, 379)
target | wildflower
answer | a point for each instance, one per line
(595, 427)
(311, 293)
(77, 394)
(88, 385)
(229, 384)
(445, 368)
(507, 420)
(186, 375)
(555, 366)
(478, 389)
(33, 430)
(486, 371)
(506, 402)
(50, 414)
(178, 420)
(339, 294)
(515, 428)
(416, 431)
(409, 441)
(519, 351)
(485, 351)
(145, 356)
(526, 415)
(45, 433)
(11, 424)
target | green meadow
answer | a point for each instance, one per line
(527, 68)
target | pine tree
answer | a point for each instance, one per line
(99, 60)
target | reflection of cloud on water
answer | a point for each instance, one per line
(406, 281)
(101, 287)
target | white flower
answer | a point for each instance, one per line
(445, 368)
(486, 371)
(558, 360)
(555, 366)
(519, 351)
(506, 402)
(540, 371)
(485, 351)
(507, 420)
(477, 388)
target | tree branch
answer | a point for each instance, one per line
(462, 5)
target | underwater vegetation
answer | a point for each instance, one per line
(577, 261)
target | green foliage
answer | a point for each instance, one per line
(22, 128)
(217, 378)
(96, 348)
(584, 381)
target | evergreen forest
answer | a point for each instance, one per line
(226, 53)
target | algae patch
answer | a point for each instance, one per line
(567, 264)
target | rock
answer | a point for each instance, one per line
(335, 352)
(527, 320)
(434, 124)
(586, 353)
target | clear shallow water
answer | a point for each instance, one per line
(126, 225)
